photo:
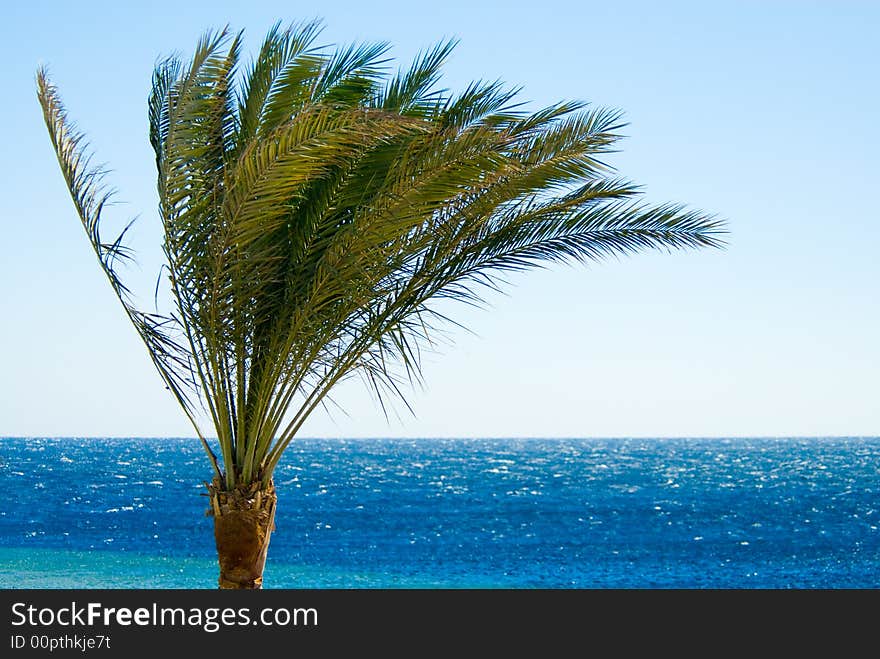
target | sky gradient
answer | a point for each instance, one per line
(763, 113)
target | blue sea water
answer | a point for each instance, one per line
(468, 513)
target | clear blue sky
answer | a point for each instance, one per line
(765, 113)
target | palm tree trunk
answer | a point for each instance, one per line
(244, 519)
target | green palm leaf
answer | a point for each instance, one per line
(314, 205)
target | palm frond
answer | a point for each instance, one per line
(285, 61)
(411, 92)
(315, 205)
(90, 197)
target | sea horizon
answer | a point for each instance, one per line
(465, 438)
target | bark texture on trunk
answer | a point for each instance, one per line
(244, 519)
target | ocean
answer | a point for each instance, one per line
(456, 513)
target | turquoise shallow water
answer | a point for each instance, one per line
(673, 513)
(58, 568)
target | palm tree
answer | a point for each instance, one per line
(314, 205)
